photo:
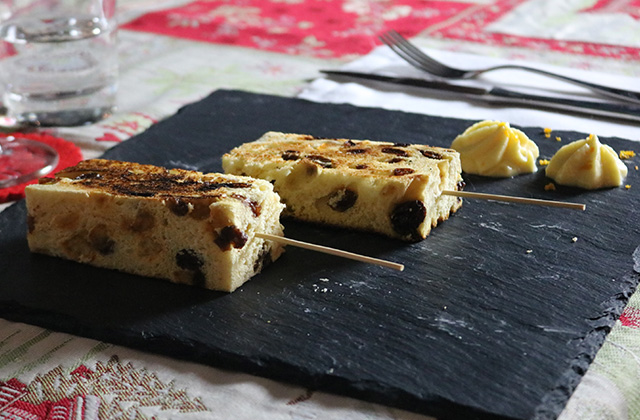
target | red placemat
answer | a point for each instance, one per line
(321, 28)
(69, 153)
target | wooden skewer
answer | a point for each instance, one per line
(511, 199)
(400, 267)
(331, 251)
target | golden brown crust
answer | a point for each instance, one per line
(355, 157)
(134, 179)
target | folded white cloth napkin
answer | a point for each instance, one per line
(383, 61)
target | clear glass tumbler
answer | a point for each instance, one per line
(58, 61)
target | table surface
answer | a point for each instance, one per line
(175, 52)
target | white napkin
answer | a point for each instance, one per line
(395, 97)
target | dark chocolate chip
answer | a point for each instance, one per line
(402, 171)
(407, 217)
(291, 155)
(342, 199)
(177, 206)
(31, 223)
(394, 151)
(320, 160)
(361, 166)
(401, 144)
(188, 259)
(356, 151)
(231, 237)
(349, 143)
(255, 207)
(430, 154)
(144, 221)
(100, 240)
(396, 160)
(264, 259)
(77, 246)
(460, 185)
(201, 209)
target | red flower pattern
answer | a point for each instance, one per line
(338, 28)
(322, 28)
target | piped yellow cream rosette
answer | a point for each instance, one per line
(494, 148)
(587, 164)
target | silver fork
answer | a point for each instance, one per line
(417, 58)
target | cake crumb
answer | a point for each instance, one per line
(324, 279)
(574, 239)
(547, 132)
(543, 162)
(558, 138)
(529, 251)
(550, 187)
(628, 187)
(627, 154)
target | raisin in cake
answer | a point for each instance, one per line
(388, 188)
(179, 225)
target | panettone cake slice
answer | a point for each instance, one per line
(180, 225)
(389, 188)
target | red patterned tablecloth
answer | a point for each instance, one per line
(338, 28)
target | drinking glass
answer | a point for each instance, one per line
(22, 159)
(58, 67)
(58, 61)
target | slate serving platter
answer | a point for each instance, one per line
(498, 313)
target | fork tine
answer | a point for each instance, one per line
(391, 43)
(414, 56)
(426, 63)
(406, 45)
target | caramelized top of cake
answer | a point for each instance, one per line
(357, 157)
(134, 179)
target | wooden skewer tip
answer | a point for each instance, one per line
(513, 199)
(331, 251)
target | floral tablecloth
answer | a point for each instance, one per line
(173, 52)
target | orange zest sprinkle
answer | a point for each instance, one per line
(626, 154)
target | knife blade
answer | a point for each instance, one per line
(500, 96)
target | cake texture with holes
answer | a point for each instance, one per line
(389, 188)
(183, 226)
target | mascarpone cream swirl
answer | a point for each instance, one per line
(587, 164)
(494, 148)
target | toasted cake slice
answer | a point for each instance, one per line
(389, 188)
(179, 225)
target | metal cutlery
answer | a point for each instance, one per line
(499, 96)
(419, 59)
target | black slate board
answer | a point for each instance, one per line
(475, 327)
